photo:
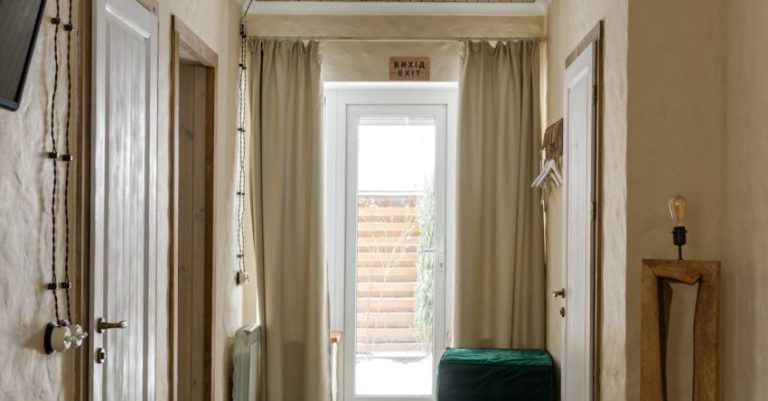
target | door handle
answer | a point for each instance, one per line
(102, 325)
(439, 256)
(559, 293)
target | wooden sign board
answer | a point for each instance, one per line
(409, 68)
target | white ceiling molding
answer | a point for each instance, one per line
(325, 7)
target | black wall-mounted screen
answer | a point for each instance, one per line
(19, 23)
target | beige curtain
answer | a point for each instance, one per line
(286, 209)
(500, 294)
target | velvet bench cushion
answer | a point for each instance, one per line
(467, 374)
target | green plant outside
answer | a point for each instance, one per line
(425, 277)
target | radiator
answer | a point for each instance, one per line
(247, 361)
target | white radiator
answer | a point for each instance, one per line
(246, 360)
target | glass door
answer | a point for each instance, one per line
(395, 282)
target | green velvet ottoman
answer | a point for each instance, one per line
(466, 374)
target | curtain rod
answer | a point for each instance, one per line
(401, 38)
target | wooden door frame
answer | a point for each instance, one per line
(596, 37)
(182, 35)
(82, 194)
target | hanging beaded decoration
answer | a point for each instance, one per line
(243, 276)
(61, 334)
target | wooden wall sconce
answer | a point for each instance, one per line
(656, 301)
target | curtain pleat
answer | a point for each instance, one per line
(285, 184)
(500, 272)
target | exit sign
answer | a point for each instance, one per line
(409, 68)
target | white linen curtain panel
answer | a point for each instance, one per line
(285, 184)
(500, 277)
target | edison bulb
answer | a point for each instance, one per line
(677, 209)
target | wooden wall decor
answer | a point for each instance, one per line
(656, 300)
(552, 144)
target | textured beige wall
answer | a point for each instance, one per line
(24, 182)
(368, 61)
(675, 124)
(674, 111)
(392, 26)
(745, 227)
(568, 21)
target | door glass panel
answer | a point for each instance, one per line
(394, 351)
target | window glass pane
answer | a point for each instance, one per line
(395, 261)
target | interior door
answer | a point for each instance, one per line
(578, 159)
(194, 276)
(123, 221)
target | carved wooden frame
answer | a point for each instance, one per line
(656, 301)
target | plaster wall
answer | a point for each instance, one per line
(351, 60)
(671, 142)
(25, 251)
(675, 119)
(745, 224)
(24, 184)
(568, 21)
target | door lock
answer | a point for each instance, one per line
(101, 355)
(562, 311)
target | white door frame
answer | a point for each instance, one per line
(134, 15)
(341, 98)
(585, 63)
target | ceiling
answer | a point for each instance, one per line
(400, 1)
(401, 7)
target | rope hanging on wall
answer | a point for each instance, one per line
(243, 276)
(67, 159)
(61, 334)
(53, 155)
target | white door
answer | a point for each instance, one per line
(123, 221)
(578, 160)
(390, 153)
(393, 234)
